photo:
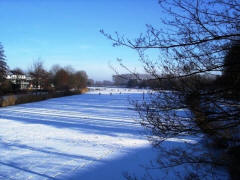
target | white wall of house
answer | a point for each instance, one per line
(22, 80)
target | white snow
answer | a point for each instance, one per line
(88, 136)
(93, 136)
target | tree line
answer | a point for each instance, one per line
(39, 78)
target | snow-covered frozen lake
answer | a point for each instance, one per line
(91, 136)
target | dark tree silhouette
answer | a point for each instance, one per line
(231, 72)
(3, 65)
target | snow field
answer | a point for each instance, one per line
(93, 136)
(71, 137)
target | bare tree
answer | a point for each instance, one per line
(67, 78)
(194, 39)
(40, 76)
(80, 79)
(62, 79)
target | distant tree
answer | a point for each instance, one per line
(67, 78)
(107, 83)
(123, 79)
(90, 82)
(80, 79)
(61, 80)
(3, 65)
(52, 73)
(71, 80)
(98, 83)
(40, 76)
(132, 83)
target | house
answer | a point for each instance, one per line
(21, 81)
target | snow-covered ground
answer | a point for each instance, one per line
(90, 136)
(93, 136)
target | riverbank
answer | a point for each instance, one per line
(14, 99)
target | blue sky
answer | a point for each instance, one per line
(66, 32)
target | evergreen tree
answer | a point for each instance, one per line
(3, 64)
